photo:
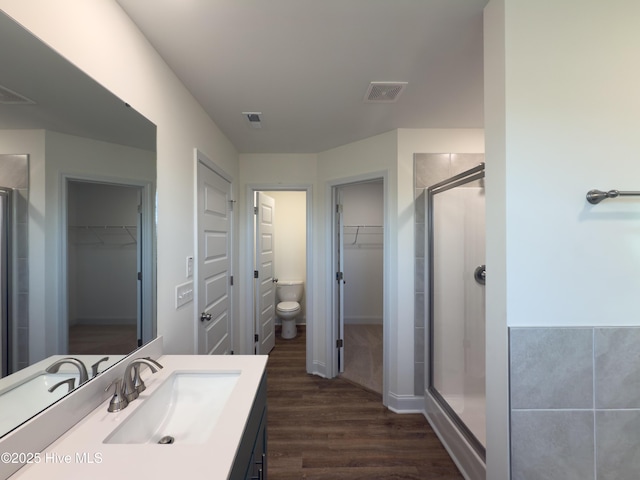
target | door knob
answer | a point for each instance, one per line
(480, 274)
(205, 316)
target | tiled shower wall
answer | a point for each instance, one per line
(14, 174)
(428, 169)
(575, 403)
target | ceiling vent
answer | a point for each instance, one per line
(384, 92)
(254, 119)
(9, 97)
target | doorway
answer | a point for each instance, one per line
(104, 267)
(359, 252)
(286, 261)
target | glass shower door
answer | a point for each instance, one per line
(456, 223)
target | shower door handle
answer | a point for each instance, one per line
(480, 274)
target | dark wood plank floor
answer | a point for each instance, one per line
(332, 429)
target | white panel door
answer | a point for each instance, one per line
(214, 262)
(265, 282)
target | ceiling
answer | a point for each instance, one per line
(306, 65)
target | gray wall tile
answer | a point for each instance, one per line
(420, 212)
(430, 168)
(552, 445)
(419, 275)
(461, 162)
(618, 445)
(617, 367)
(419, 240)
(551, 368)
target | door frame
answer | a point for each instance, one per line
(249, 297)
(147, 329)
(332, 331)
(201, 157)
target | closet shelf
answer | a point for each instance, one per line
(104, 235)
(364, 235)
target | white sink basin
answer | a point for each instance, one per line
(22, 401)
(183, 410)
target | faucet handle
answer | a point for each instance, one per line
(118, 401)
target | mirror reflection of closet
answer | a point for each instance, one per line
(103, 261)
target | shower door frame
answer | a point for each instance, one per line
(468, 176)
(6, 281)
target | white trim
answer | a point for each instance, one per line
(405, 403)
(317, 368)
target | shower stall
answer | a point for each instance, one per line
(455, 210)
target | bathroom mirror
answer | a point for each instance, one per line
(80, 149)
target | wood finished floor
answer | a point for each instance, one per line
(102, 339)
(332, 429)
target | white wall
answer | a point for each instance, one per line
(102, 41)
(290, 225)
(561, 103)
(572, 114)
(367, 159)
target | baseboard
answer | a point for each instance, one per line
(405, 403)
(319, 368)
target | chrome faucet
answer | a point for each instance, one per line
(71, 382)
(133, 385)
(95, 366)
(55, 366)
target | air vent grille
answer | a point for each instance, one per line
(384, 92)
(253, 118)
(9, 97)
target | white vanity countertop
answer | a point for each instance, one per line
(81, 453)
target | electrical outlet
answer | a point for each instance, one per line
(184, 294)
(189, 266)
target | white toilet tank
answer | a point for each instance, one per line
(289, 290)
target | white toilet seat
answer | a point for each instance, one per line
(287, 307)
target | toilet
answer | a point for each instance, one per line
(289, 295)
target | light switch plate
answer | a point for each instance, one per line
(184, 294)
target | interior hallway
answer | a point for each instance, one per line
(332, 429)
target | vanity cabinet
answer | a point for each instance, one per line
(251, 458)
